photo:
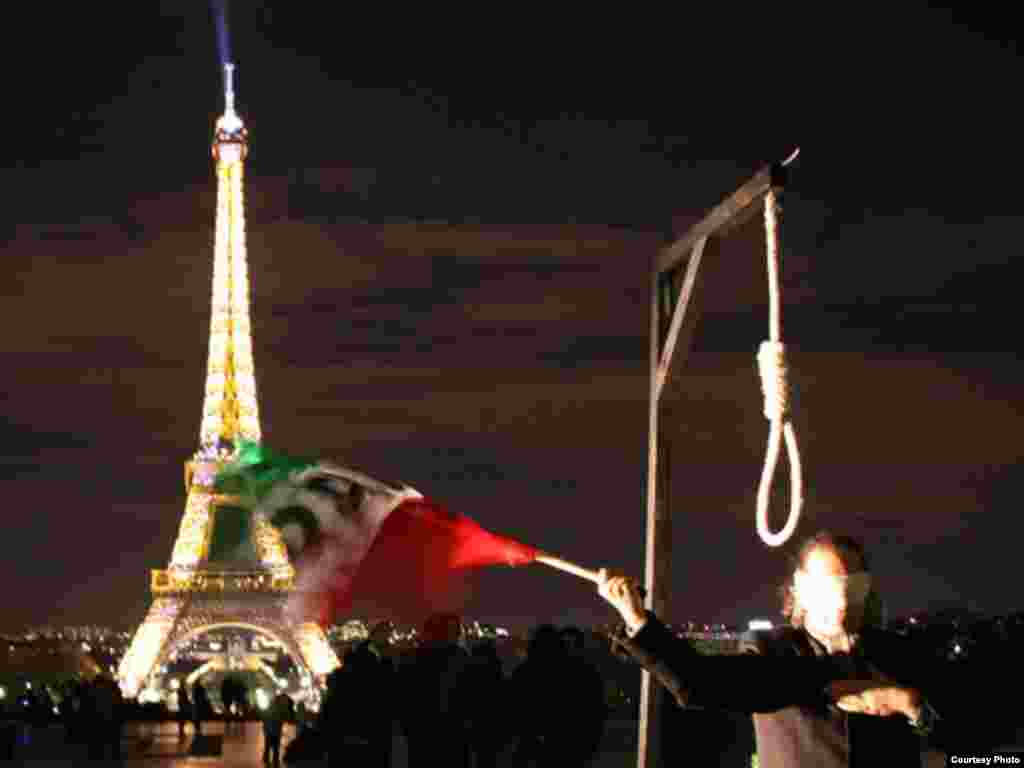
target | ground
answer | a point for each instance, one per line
(154, 745)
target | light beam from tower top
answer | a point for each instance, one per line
(230, 141)
(229, 88)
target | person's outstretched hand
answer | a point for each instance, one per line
(624, 595)
(876, 698)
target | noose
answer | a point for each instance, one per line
(771, 363)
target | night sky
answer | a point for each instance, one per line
(451, 224)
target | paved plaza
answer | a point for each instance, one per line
(241, 745)
(154, 744)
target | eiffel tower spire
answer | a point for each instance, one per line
(227, 568)
(230, 409)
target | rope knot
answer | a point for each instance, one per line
(771, 364)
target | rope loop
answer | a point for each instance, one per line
(771, 363)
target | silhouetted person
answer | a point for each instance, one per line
(356, 717)
(370, 714)
(382, 682)
(376, 689)
(586, 707)
(233, 695)
(278, 713)
(310, 743)
(301, 718)
(40, 705)
(201, 708)
(330, 721)
(432, 695)
(85, 712)
(105, 733)
(488, 720)
(540, 699)
(227, 699)
(66, 709)
(184, 710)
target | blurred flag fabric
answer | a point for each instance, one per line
(359, 543)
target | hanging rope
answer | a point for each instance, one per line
(771, 364)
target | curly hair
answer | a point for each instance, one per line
(850, 553)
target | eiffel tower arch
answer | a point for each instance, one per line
(211, 616)
(226, 567)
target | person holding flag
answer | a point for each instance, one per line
(832, 689)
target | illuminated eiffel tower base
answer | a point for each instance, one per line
(226, 568)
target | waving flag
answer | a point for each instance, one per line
(356, 540)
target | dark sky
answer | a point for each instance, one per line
(451, 225)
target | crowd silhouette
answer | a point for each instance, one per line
(453, 704)
(92, 711)
(449, 700)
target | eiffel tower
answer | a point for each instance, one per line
(226, 568)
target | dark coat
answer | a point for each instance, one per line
(201, 707)
(781, 678)
(184, 704)
(280, 711)
(435, 707)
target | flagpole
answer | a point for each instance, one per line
(565, 565)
